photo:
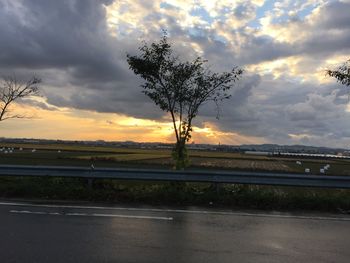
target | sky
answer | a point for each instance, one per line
(78, 48)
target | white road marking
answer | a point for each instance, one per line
(32, 212)
(179, 211)
(90, 215)
(54, 214)
(76, 214)
(139, 217)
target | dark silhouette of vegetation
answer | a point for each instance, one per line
(342, 74)
(180, 88)
(12, 90)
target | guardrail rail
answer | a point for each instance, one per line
(231, 177)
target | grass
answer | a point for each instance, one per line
(122, 157)
(163, 193)
(79, 148)
(242, 196)
(80, 155)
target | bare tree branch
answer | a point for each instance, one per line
(12, 90)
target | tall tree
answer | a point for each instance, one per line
(12, 90)
(342, 74)
(180, 88)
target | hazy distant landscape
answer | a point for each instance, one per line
(135, 155)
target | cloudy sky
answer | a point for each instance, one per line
(79, 47)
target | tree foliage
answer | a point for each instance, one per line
(12, 90)
(342, 74)
(180, 87)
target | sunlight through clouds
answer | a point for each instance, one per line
(73, 124)
(284, 46)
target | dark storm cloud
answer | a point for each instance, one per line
(318, 113)
(45, 34)
(328, 34)
(70, 36)
(327, 43)
(335, 16)
(264, 49)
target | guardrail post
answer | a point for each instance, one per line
(218, 187)
(90, 182)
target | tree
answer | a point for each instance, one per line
(342, 74)
(180, 88)
(12, 90)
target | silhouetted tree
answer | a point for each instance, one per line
(342, 74)
(180, 88)
(11, 90)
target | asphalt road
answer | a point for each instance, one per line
(55, 233)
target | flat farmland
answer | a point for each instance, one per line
(79, 155)
(242, 164)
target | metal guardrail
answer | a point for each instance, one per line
(255, 178)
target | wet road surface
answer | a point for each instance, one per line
(61, 233)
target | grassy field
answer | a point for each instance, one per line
(162, 193)
(78, 155)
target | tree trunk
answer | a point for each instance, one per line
(180, 155)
